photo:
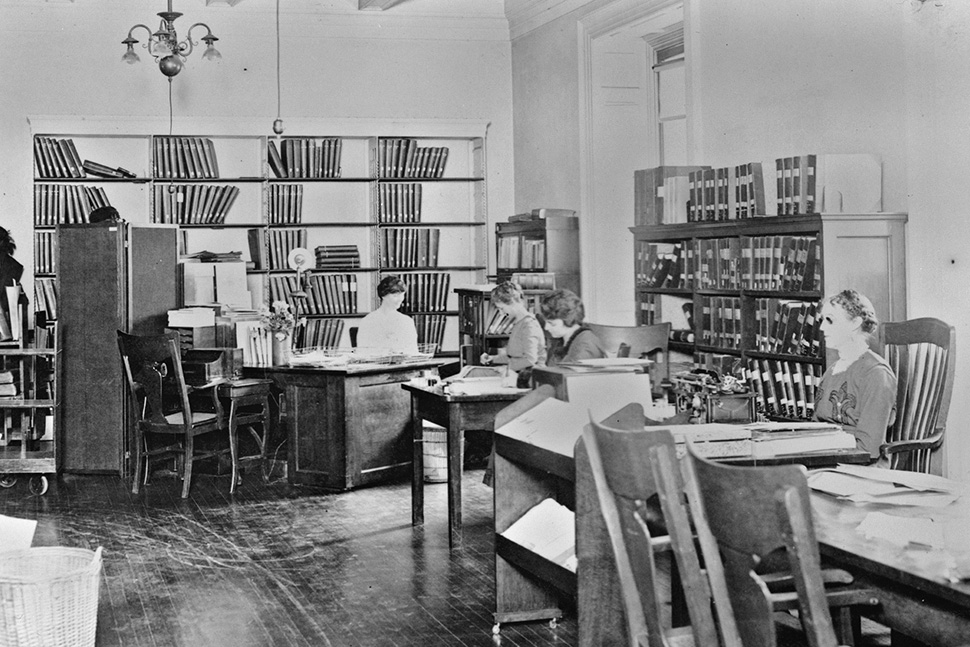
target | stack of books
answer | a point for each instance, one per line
(337, 257)
(7, 387)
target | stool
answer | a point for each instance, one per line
(248, 407)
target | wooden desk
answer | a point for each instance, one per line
(916, 598)
(346, 426)
(456, 413)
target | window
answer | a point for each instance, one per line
(669, 80)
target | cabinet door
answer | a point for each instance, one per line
(92, 304)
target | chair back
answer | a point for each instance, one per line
(640, 492)
(157, 387)
(637, 341)
(760, 519)
(922, 354)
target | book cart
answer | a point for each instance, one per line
(25, 447)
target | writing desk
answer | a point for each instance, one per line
(346, 425)
(457, 413)
(916, 598)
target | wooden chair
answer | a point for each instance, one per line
(632, 468)
(161, 405)
(922, 352)
(638, 341)
(761, 521)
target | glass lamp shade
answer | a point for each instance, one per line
(130, 57)
(211, 53)
(170, 65)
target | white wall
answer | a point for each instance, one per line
(424, 61)
(770, 79)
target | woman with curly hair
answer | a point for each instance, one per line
(858, 391)
(571, 340)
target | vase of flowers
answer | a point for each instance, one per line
(280, 321)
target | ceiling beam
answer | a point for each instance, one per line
(376, 5)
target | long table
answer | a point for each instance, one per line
(917, 597)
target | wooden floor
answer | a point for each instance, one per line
(277, 566)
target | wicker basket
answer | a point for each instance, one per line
(49, 597)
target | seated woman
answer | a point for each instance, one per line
(564, 315)
(858, 391)
(386, 328)
(526, 346)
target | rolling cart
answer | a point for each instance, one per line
(28, 406)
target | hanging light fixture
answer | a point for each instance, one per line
(165, 46)
(278, 122)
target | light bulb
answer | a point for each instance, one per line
(211, 53)
(130, 57)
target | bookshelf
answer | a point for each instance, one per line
(543, 252)
(742, 294)
(364, 205)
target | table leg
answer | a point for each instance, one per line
(417, 466)
(455, 442)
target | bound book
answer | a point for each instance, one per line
(6, 377)
(779, 438)
(7, 390)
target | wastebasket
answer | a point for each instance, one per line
(436, 453)
(49, 597)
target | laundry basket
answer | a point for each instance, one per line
(49, 597)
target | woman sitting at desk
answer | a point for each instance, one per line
(858, 391)
(526, 346)
(564, 315)
(386, 328)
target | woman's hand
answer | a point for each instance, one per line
(486, 359)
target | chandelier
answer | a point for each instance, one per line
(165, 46)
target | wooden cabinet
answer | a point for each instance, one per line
(543, 253)
(742, 295)
(345, 427)
(112, 277)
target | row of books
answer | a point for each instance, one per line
(66, 203)
(321, 333)
(401, 157)
(795, 181)
(409, 247)
(184, 158)
(497, 322)
(789, 327)
(400, 202)
(781, 263)
(194, 204)
(303, 157)
(721, 322)
(520, 252)
(337, 257)
(45, 252)
(57, 158)
(725, 193)
(660, 194)
(430, 328)
(326, 294)
(535, 280)
(427, 291)
(784, 388)
(272, 253)
(45, 297)
(285, 204)
(663, 265)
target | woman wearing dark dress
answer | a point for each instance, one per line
(858, 391)
(564, 315)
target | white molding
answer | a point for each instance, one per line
(532, 14)
(254, 127)
(222, 3)
(376, 5)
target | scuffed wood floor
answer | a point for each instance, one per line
(275, 565)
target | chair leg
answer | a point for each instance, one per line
(187, 465)
(233, 448)
(139, 440)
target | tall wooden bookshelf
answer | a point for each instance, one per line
(742, 295)
(363, 206)
(545, 249)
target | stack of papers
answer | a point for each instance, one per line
(779, 438)
(623, 364)
(549, 530)
(865, 484)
